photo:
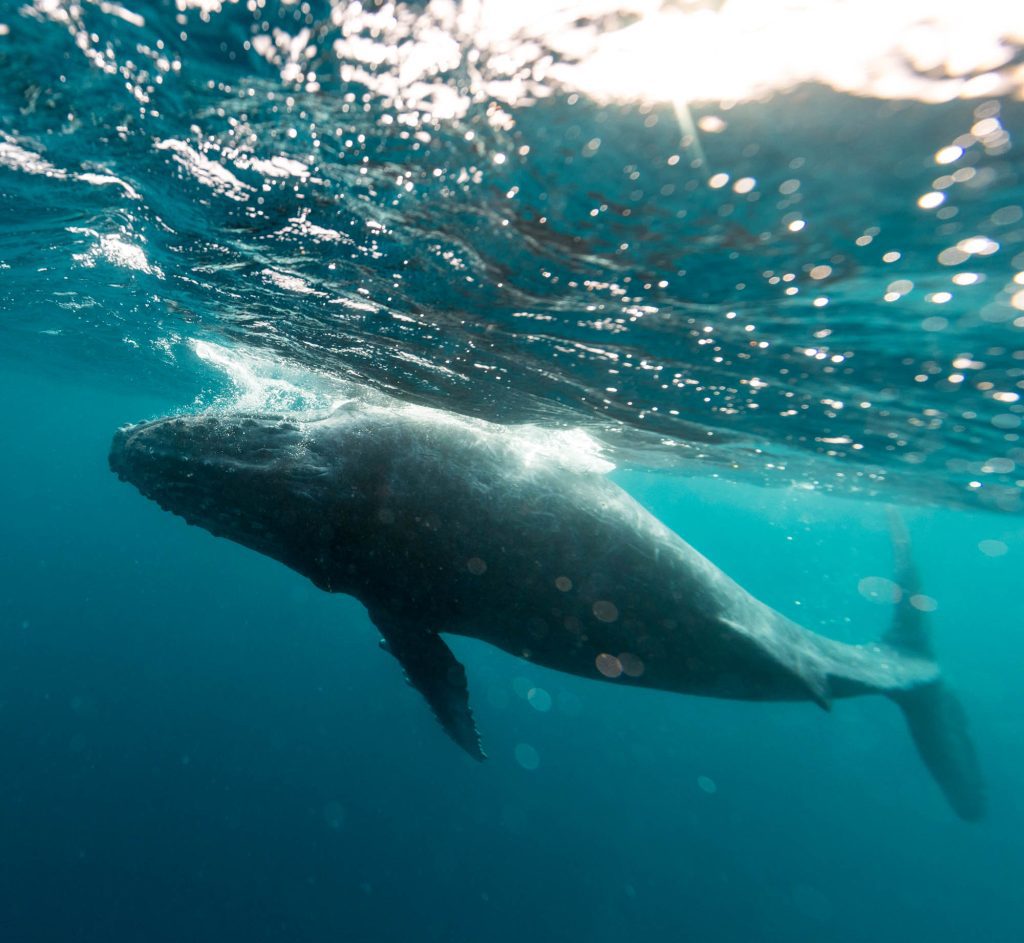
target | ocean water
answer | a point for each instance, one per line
(770, 260)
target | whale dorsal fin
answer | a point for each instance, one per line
(436, 673)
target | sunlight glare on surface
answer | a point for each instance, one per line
(929, 50)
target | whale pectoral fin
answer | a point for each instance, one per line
(437, 674)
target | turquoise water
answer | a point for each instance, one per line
(200, 745)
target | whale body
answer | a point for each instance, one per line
(440, 524)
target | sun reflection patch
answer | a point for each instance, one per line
(928, 50)
(437, 58)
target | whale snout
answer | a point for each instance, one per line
(137, 447)
(118, 457)
(166, 457)
(244, 477)
(183, 463)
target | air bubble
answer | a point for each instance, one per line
(527, 757)
(879, 590)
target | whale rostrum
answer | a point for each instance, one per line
(440, 524)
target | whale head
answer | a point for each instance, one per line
(261, 481)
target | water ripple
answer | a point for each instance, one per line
(817, 282)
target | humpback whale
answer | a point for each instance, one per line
(442, 524)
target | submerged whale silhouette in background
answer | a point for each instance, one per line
(442, 524)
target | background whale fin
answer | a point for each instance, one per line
(908, 633)
(436, 673)
(938, 725)
(937, 721)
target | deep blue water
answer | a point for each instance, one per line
(199, 745)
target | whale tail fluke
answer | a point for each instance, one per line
(933, 713)
(938, 725)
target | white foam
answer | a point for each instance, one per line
(206, 170)
(264, 384)
(261, 384)
(116, 249)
